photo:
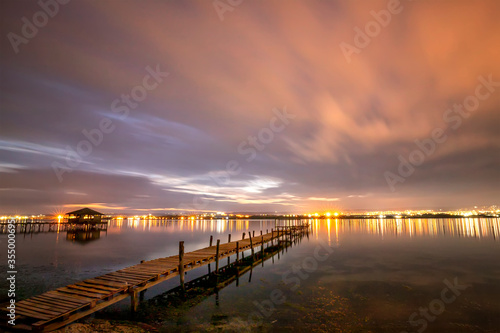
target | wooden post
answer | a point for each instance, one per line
(251, 247)
(243, 237)
(217, 258)
(261, 232)
(253, 234)
(262, 249)
(134, 301)
(229, 257)
(272, 237)
(237, 251)
(181, 264)
(211, 239)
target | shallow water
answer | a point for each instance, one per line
(347, 276)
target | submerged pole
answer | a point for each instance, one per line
(134, 301)
(251, 247)
(237, 251)
(262, 249)
(262, 245)
(217, 257)
(181, 264)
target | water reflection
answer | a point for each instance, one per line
(365, 270)
(334, 228)
(488, 228)
(481, 228)
(83, 236)
(217, 225)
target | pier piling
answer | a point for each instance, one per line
(181, 264)
(217, 257)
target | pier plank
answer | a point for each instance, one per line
(79, 292)
(47, 306)
(99, 286)
(49, 300)
(32, 314)
(91, 290)
(30, 307)
(107, 283)
(73, 298)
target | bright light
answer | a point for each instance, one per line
(336, 214)
(328, 214)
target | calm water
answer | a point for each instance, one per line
(432, 275)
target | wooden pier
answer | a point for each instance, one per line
(30, 227)
(62, 306)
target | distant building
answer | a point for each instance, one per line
(84, 216)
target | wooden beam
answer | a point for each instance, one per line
(181, 263)
(217, 257)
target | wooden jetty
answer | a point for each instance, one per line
(57, 308)
(35, 227)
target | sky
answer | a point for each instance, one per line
(248, 106)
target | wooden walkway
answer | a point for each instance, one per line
(62, 306)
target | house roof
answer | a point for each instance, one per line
(84, 211)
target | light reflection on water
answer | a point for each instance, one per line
(465, 227)
(220, 226)
(382, 270)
